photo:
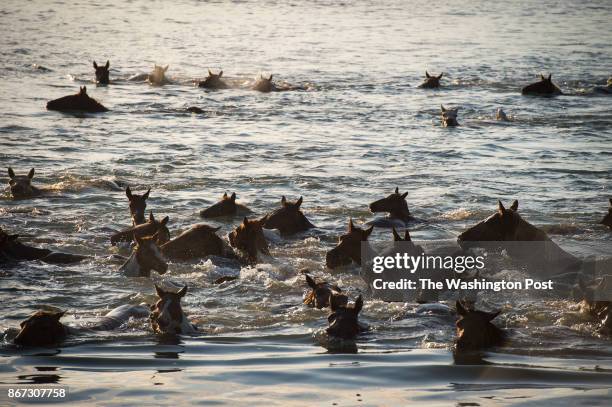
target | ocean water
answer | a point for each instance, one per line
(361, 129)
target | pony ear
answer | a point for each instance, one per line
(182, 292)
(351, 226)
(500, 207)
(245, 221)
(311, 283)
(84, 90)
(549, 77)
(220, 74)
(283, 201)
(358, 305)
(427, 74)
(233, 197)
(95, 65)
(151, 217)
(160, 292)
(164, 221)
(514, 206)
(107, 64)
(442, 108)
(209, 72)
(542, 77)
(397, 190)
(270, 78)
(440, 76)
(31, 173)
(128, 193)
(407, 236)
(368, 232)
(404, 195)
(298, 203)
(11, 174)
(460, 310)
(396, 236)
(58, 315)
(166, 68)
(146, 195)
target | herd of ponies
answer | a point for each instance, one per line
(82, 102)
(153, 245)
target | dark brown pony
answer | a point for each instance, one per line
(213, 81)
(395, 204)
(349, 247)
(227, 206)
(321, 293)
(343, 320)
(531, 245)
(167, 316)
(288, 219)
(607, 220)
(102, 73)
(265, 84)
(197, 242)
(43, 328)
(12, 250)
(80, 102)
(138, 205)
(145, 257)
(449, 116)
(431, 81)
(545, 87)
(152, 227)
(21, 185)
(249, 238)
(475, 330)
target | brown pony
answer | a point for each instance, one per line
(102, 73)
(138, 205)
(531, 245)
(397, 207)
(431, 81)
(349, 247)
(80, 102)
(145, 257)
(475, 330)
(321, 292)
(12, 250)
(197, 242)
(288, 219)
(249, 238)
(227, 206)
(167, 316)
(343, 320)
(449, 116)
(265, 84)
(545, 87)
(213, 81)
(43, 328)
(152, 227)
(21, 185)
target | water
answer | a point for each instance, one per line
(362, 129)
